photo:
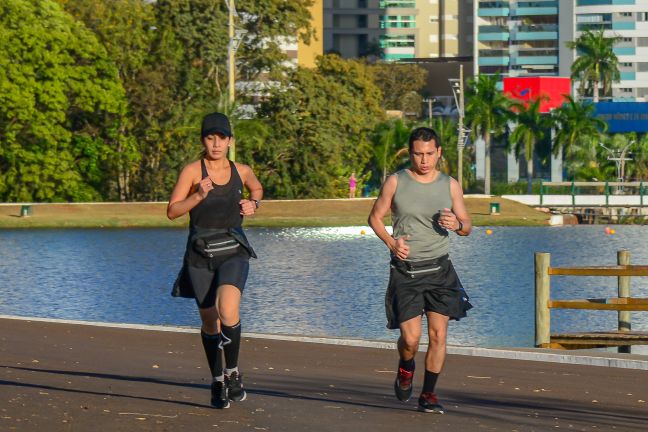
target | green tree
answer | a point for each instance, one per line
(321, 121)
(638, 167)
(530, 128)
(577, 129)
(487, 113)
(596, 63)
(397, 82)
(61, 107)
(390, 146)
(446, 129)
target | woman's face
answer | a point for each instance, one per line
(216, 146)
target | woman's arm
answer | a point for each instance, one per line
(182, 199)
(253, 185)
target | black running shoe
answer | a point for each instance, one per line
(219, 397)
(429, 403)
(403, 384)
(235, 389)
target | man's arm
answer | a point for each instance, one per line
(456, 219)
(380, 209)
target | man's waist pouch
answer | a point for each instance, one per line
(422, 267)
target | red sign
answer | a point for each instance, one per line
(552, 90)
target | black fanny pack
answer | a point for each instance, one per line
(420, 268)
(210, 247)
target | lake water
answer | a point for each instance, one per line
(311, 281)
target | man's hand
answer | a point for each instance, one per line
(448, 220)
(399, 248)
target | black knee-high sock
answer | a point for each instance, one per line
(231, 344)
(430, 381)
(213, 350)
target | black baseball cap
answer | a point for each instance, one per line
(215, 123)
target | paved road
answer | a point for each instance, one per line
(65, 377)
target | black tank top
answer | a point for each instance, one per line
(220, 209)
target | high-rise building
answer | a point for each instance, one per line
(398, 29)
(527, 38)
(626, 19)
(517, 38)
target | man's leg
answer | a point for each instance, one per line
(228, 301)
(434, 359)
(408, 344)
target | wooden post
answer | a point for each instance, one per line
(623, 258)
(542, 289)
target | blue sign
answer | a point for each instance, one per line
(624, 116)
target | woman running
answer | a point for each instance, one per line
(216, 260)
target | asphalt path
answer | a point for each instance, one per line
(67, 377)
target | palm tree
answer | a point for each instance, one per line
(530, 128)
(446, 129)
(596, 62)
(388, 139)
(577, 129)
(487, 113)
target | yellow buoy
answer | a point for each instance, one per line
(362, 232)
(612, 231)
(489, 232)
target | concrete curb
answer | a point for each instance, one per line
(528, 354)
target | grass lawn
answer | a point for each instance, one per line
(279, 213)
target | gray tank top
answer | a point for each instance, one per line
(415, 212)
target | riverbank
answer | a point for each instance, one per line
(273, 213)
(62, 377)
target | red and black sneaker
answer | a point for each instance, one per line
(429, 403)
(403, 384)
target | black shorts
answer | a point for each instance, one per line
(430, 286)
(228, 270)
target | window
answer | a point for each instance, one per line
(396, 21)
(626, 14)
(387, 41)
(397, 4)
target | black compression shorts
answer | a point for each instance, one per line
(231, 270)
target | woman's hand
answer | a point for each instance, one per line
(204, 187)
(248, 207)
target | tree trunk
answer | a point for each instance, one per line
(530, 176)
(595, 92)
(487, 164)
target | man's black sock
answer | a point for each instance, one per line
(231, 344)
(213, 351)
(430, 381)
(408, 365)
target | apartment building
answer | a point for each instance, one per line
(626, 19)
(527, 38)
(398, 29)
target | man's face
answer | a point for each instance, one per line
(424, 156)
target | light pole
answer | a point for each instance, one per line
(235, 38)
(429, 102)
(619, 158)
(458, 93)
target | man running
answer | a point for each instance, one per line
(425, 205)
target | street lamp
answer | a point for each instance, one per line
(429, 101)
(457, 86)
(235, 37)
(619, 158)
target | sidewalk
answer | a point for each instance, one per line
(67, 377)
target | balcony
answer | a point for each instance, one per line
(494, 9)
(623, 25)
(628, 76)
(625, 51)
(493, 33)
(535, 8)
(494, 61)
(536, 32)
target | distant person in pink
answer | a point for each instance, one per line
(352, 185)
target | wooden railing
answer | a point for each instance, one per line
(623, 337)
